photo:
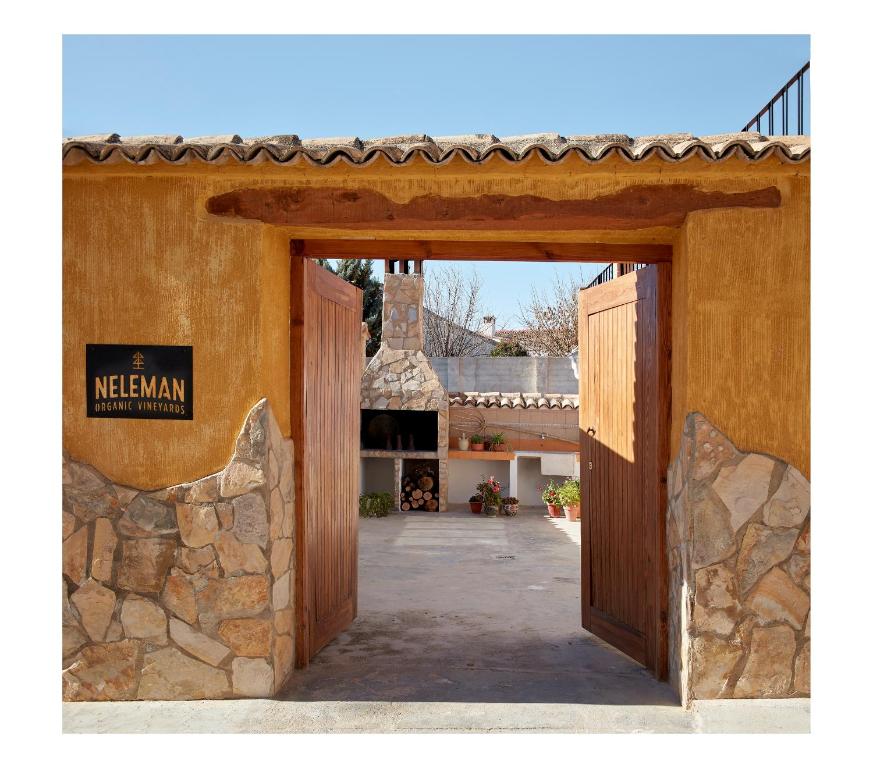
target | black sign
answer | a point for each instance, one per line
(129, 381)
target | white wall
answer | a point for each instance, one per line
(465, 475)
(529, 478)
(377, 475)
(555, 375)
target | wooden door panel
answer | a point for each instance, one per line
(326, 322)
(622, 391)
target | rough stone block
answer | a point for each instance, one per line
(778, 598)
(95, 604)
(743, 488)
(148, 517)
(247, 637)
(144, 564)
(789, 506)
(105, 672)
(240, 478)
(237, 558)
(712, 662)
(143, 619)
(280, 556)
(762, 548)
(252, 677)
(198, 524)
(197, 644)
(236, 597)
(769, 669)
(178, 597)
(170, 674)
(74, 555)
(103, 550)
(250, 520)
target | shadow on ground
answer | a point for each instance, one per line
(460, 608)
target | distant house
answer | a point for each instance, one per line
(461, 342)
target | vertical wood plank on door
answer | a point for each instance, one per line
(624, 384)
(326, 373)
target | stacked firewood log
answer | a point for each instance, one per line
(418, 490)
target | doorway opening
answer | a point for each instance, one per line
(428, 572)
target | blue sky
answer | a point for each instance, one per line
(386, 85)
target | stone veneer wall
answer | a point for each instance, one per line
(738, 537)
(399, 376)
(186, 592)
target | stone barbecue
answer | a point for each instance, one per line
(404, 407)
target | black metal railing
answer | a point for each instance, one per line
(614, 270)
(783, 98)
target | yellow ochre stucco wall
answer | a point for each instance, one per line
(741, 317)
(142, 266)
(144, 263)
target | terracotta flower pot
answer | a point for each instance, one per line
(476, 507)
(572, 512)
(554, 510)
(477, 446)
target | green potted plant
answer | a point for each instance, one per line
(375, 504)
(510, 506)
(477, 443)
(476, 503)
(490, 490)
(497, 441)
(569, 495)
(551, 499)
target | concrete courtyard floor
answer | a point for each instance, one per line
(465, 624)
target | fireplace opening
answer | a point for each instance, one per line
(420, 485)
(387, 430)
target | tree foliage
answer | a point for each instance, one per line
(451, 322)
(551, 318)
(509, 348)
(359, 272)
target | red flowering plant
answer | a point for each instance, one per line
(490, 490)
(550, 493)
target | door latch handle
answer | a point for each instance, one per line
(591, 431)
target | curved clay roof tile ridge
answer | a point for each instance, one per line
(398, 150)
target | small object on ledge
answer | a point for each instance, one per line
(463, 442)
(399, 443)
(411, 445)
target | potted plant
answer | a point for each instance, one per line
(490, 490)
(510, 506)
(463, 442)
(476, 503)
(551, 499)
(477, 443)
(497, 441)
(569, 494)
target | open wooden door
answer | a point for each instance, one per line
(624, 402)
(326, 417)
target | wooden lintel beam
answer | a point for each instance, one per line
(473, 250)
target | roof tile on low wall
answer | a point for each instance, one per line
(512, 400)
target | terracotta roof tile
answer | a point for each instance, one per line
(474, 148)
(512, 400)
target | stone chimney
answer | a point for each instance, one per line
(402, 311)
(489, 326)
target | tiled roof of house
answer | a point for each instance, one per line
(474, 148)
(512, 400)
